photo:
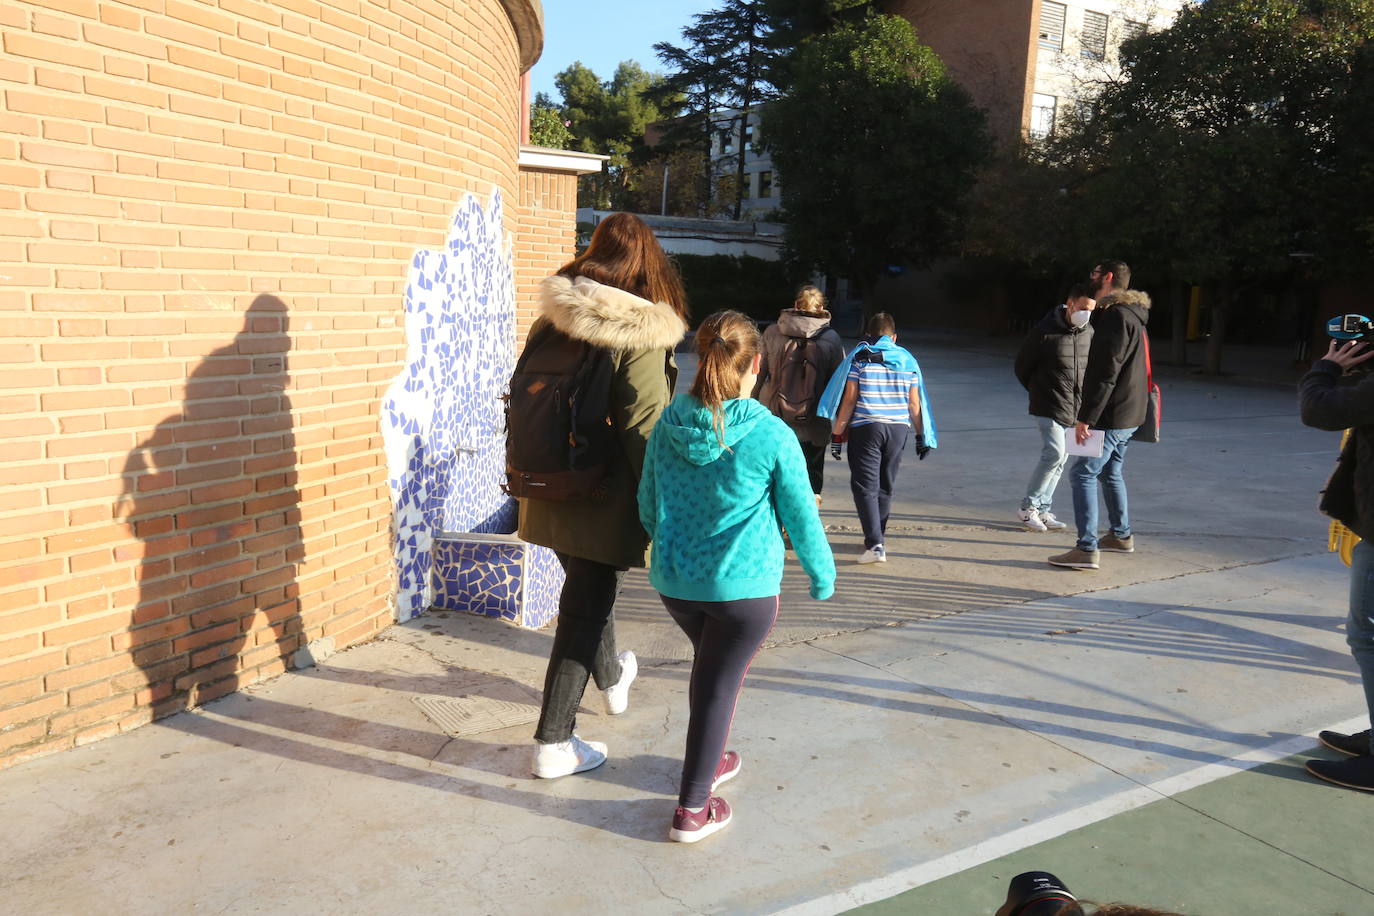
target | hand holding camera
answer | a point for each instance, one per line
(1349, 344)
(1347, 353)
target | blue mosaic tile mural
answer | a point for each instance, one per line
(512, 580)
(442, 419)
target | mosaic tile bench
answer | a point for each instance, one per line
(496, 575)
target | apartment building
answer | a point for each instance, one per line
(762, 195)
(1027, 63)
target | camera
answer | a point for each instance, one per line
(1038, 893)
(1349, 327)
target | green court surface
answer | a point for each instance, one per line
(1271, 841)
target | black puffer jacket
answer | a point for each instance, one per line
(1114, 387)
(1051, 364)
(1328, 401)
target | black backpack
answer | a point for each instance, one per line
(560, 439)
(799, 381)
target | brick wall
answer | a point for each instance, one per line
(547, 237)
(990, 49)
(207, 210)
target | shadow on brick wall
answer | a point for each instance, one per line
(211, 496)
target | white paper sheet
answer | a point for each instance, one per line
(1090, 449)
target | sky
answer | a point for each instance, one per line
(602, 33)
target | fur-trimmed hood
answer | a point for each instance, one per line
(1134, 297)
(605, 316)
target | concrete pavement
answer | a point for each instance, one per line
(944, 712)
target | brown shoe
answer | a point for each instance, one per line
(1117, 545)
(1076, 559)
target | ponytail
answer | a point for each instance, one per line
(727, 343)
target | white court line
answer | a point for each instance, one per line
(1023, 837)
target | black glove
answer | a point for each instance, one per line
(922, 451)
(837, 445)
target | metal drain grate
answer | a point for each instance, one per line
(483, 708)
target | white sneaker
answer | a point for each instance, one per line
(1030, 520)
(617, 695)
(1049, 521)
(875, 554)
(563, 758)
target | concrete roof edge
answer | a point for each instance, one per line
(560, 160)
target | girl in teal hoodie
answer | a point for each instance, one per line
(720, 474)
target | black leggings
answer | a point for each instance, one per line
(726, 635)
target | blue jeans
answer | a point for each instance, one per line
(1084, 476)
(1359, 630)
(1045, 477)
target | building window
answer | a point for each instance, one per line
(1094, 36)
(765, 184)
(748, 134)
(726, 137)
(1132, 29)
(1042, 115)
(1052, 26)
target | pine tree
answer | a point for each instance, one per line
(725, 63)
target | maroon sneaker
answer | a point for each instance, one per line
(728, 769)
(688, 827)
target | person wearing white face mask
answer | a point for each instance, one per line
(1050, 367)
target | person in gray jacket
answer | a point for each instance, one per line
(1050, 367)
(800, 353)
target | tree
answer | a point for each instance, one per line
(877, 149)
(1206, 156)
(791, 22)
(609, 118)
(1347, 235)
(547, 127)
(724, 64)
(682, 169)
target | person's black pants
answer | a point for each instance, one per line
(815, 464)
(875, 454)
(583, 644)
(726, 635)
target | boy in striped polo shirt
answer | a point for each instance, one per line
(880, 405)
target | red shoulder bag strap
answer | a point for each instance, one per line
(1149, 371)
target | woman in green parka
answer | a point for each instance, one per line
(622, 294)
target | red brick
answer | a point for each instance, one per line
(26, 712)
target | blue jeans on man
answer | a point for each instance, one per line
(1045, 478)
(1084, 475)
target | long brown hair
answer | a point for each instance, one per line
(624, 253)
(727, 343)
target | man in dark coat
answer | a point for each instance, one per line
(1050, 367)
(1328, 402)
(1114, 401)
